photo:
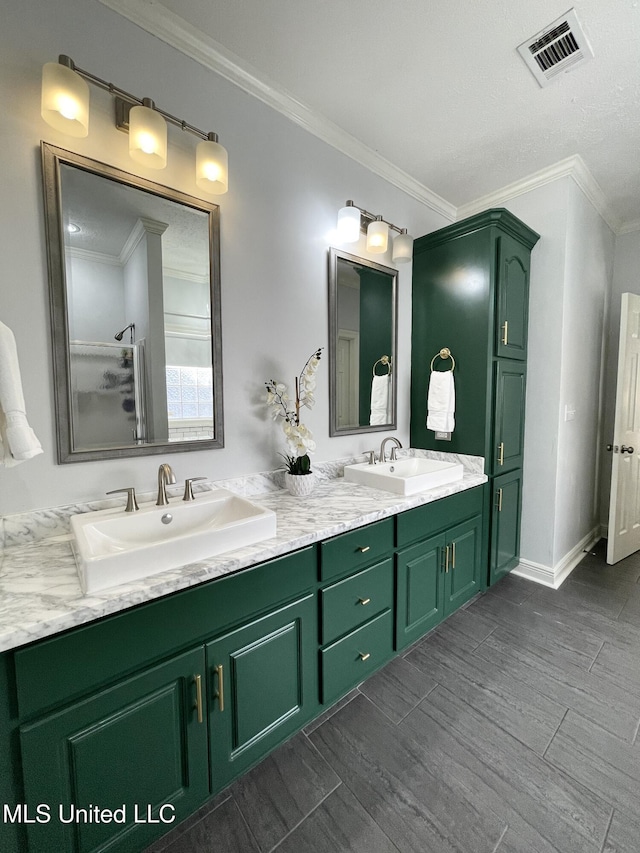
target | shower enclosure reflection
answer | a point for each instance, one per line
(135, 309)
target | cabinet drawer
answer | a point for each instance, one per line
(423, 521)
(54, 671)
(352, 601)
(354, 657)
(348, 552)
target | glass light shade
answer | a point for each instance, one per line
(402, 251)
(377, 236)
(348, 224)
(212, 167)
(147, 137)
(65, 100)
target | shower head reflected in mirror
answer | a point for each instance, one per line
(132, 327)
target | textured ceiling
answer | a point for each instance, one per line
(438, 87)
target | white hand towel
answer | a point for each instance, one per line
(380, 400)
(17, 440)
(441, 401)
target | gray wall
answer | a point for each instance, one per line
(286, 187)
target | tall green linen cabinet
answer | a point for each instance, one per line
(471, 295)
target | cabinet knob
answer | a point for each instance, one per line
(364, 601)
(365, 655)
(364, 549)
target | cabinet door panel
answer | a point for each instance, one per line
(512, 299)
(420, 594)
(464, 563)
(265, 690)
(509, 417)
(135, 744)
(505, 524)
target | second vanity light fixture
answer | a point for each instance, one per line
(351, 219)
(65, 106)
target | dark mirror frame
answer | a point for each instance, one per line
(336, 255)
(52, 159)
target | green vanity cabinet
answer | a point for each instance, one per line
(160, 706)
(471, 295)
(134, 747)
(506, 505)
(262, 687)
(440, 573)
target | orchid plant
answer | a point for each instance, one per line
(299, 439)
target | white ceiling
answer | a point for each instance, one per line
(435, 87)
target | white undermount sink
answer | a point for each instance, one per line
(405, 476)
(113, 546)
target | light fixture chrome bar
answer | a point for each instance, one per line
(371, 217)
(130, 100)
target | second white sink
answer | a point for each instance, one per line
(113, 547)
(405, 476)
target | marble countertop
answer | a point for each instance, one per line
(40, 594)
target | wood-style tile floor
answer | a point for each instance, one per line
(511, 728)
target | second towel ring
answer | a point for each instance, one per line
(444, 353)
(385, 361)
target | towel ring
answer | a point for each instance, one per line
(444, 353)
(385, 360)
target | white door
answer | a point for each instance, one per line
(624, 502)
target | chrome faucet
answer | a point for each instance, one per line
(394, 450)
(165, 476)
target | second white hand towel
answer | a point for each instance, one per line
(441, 401)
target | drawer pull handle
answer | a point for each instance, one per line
(501, 453)
(364, 601)
(364, 549)
(198, 706)
(446, 560)
(453, 555)
(365, 655)
(220, 693)
(499, 500)
(505, 332)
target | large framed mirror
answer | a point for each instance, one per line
(363, 312)
(134, 277)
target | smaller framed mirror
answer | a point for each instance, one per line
(134, 289)
(363, 312)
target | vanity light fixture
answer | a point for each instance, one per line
(65, 106)
(352, 220)
(377, 236)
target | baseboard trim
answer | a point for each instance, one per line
(554, 576)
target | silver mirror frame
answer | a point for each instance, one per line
(52, 159)
(336, 255)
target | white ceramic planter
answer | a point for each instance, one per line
(300, 484)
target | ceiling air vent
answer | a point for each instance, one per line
(559, 48)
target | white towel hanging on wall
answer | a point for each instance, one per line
(441, 401)
(18, 441)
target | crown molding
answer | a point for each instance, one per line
(174, 31)
(573, 167)
(630, 227)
